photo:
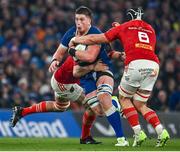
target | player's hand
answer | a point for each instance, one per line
(72, 42)
(100, 66)
(54, 66)
(116, 55)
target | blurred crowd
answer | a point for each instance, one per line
(30, 32)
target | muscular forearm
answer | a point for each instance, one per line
(91, 39)
(79, 71)
(85, 57)
(59, 54)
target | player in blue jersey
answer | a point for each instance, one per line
(102, 81)
(97, 85)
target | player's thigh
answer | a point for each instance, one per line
(92, 103)
(128, 86)
(140, 100)
(129, 83)
(105, 85)
(89, 86)
(70, 92)
(131, 76)
(150, 72)
(139, 74)
(150, 79)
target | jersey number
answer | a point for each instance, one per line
(143, 37)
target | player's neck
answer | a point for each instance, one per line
(78, 33)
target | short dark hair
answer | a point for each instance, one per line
(84, 10)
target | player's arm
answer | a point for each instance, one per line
(95, 38)
(89, 55)
(115, 55)
(57, 58)
(79, 71)
(61, 50)
(89, 39)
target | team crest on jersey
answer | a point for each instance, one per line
(72, 89)
(126, 78)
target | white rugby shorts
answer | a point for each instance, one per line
(66, 91)
(139, 74)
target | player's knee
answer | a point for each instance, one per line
(125, 102)
(104, 92)
(61, 106)
(98, 110)
(91, 102)
(121, 98)
(104, 89)
(103, 96)
(140, 99)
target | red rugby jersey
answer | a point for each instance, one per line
(64, 74)
(138, 39)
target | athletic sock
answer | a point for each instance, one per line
(114, 119)
(87, 123)
(36, 108)
(152, 118)
(132, 117)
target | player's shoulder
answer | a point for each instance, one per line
(94, 30)
(148, 26)
(71, 30)
(138, 23)
(68, 35)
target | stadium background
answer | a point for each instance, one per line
(30, 32)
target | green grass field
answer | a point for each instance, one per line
(72, 144)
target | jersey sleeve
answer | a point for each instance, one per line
(67, 37)
(112, 33)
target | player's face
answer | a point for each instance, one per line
(83, 23)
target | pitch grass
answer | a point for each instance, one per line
(72, 144)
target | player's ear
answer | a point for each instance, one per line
(90, 21)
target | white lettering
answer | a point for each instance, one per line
(35, 130)
(59, 129)
(19, 130)
(7, 128)
(2, 131)
(45, 128)
(23, 122)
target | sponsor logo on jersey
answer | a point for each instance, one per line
(143, 46)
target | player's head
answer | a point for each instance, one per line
(135, 13)
(83, 18)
